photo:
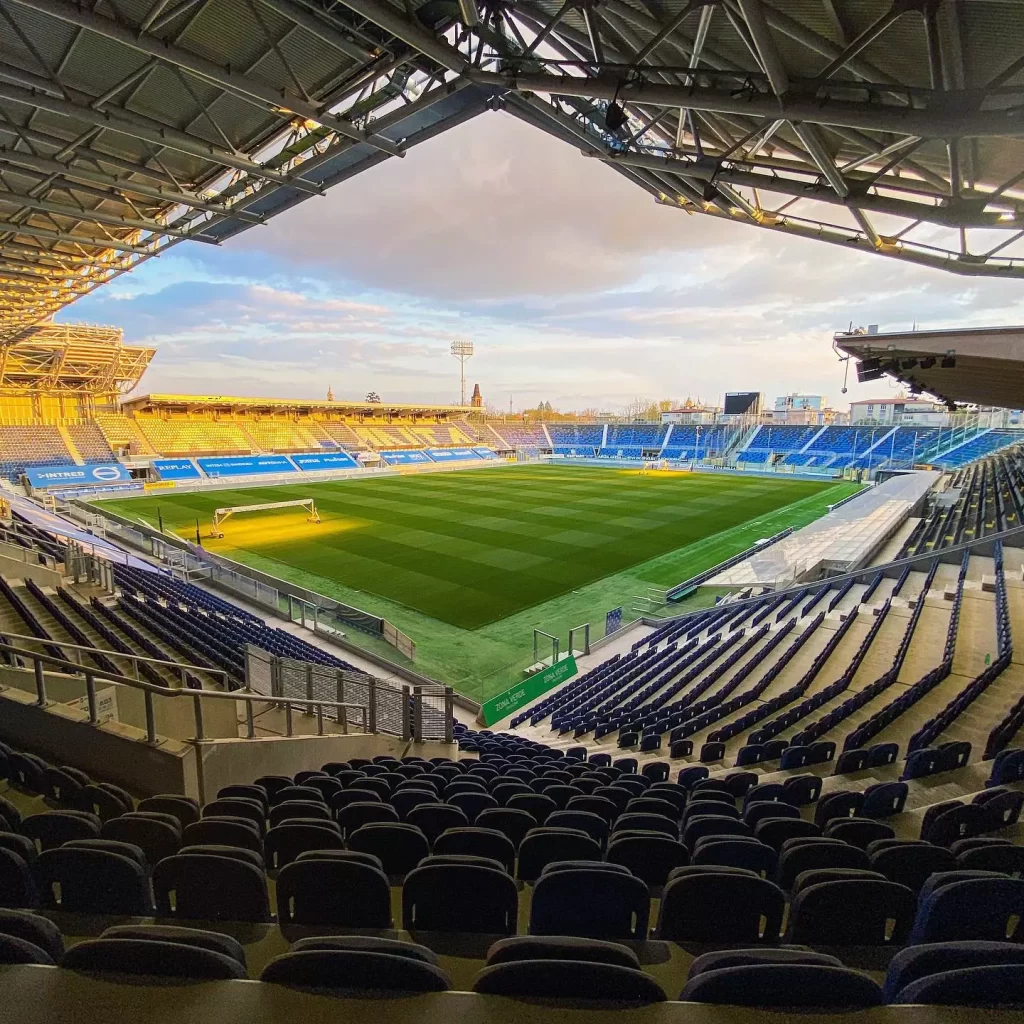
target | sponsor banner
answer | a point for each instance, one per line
(451, 454)
(486, 453)
(497, 708)
(316, 462)
(176, 469)
(159, 485)
(404, 457)
(245, 465)
(76, 476)
(612, 621)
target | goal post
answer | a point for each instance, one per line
(222, 514)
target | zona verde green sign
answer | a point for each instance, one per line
(515, 697)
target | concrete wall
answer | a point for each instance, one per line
(112, 752)
(13, 566)
(226, 762)
(175, 716)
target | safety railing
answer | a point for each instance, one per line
(181, 669)
(150, 690)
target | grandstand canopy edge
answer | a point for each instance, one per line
(157, 403)
(984, 365)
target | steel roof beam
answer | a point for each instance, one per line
(238, 84)
(18, 158)
(824, 111)
(136, 126)
(887, 205)
(98, 216)
(64, 236)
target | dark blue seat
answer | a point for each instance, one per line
(859, 831)
(571, 980)
(802, 790)
(775, 831)
(650, 856)
(544, 846)
(712, 825)
(509, 821)
(739, 852)
(560, 947)
(884, 799)
(916, 962)
(398, 846)
(1002, 857)
(354, 970)
(334, 888)
(460, 897)
(799, 855)
(784, 985)
(150, 957)
(51, 829)
(434, 819)
(592, 903)
(33, 928)
(92, 881)
(17, 886)
(210, 887)
(595, 826)
(842, 804)
(997, 986)
(284, 843)
(720, 906)
(477, 842)
(760, 810)
(911, 864)
(979, 908)
(852, 912)
(16, 950)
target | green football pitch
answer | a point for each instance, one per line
(467, 563)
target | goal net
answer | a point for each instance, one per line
(222, 514)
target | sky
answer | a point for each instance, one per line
(574, 285)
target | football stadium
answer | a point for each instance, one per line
(322, 708)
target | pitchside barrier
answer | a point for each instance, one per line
(515, 697)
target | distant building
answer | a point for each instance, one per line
(894, 412)
(692, 413)
(799, 402)
(476, 401)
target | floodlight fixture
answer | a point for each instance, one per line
(462, 350)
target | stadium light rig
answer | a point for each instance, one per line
(462, 350)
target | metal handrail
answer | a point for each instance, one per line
(178, 666)
(197, 696)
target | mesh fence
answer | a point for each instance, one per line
(421, 711)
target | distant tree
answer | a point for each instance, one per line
(372, 396)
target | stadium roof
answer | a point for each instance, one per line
(887, 127)
(339, 405)
(982, 366)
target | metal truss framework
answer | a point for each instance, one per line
(127, 126)
(55, 358)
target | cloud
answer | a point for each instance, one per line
(493, 208)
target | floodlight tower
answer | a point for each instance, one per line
(462, 350)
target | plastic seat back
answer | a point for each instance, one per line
(93, 881)
(284, 843)
(650, 856)
(152, 959)
(354, 970)
(334, 891)
(400, 847)
(573, 981)
(979, 908)
(543, 845)
(195, 886)
(460, 897)
(591, 903)
(721, 907)
(852, 912)
(784, 985)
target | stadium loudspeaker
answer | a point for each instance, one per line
(614, 117)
